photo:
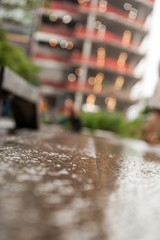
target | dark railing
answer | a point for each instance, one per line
(112, 9)
(107, 36)
(24, 100)
(52, 57)
(109, 63)
(69, 7)
(57, 30)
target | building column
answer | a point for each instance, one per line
(86, 51)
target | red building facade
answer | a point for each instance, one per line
(89, 49)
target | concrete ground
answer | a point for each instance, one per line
(58, 185)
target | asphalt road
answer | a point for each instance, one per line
(57, 185)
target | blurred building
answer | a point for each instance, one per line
(89, 50)
(18, 19)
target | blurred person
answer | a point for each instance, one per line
(153, 124)
(70, 116)
(75, 121)
(6, 107)
(43, 105)
(6, 110)
(54, 115)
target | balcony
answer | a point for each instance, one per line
(106, 91)
(60, 59)
(106, 36)
(147, 2)
(67, 7)
(112, 10)
(109, 64)
(53, 83)
(78, 86)
(62, 31)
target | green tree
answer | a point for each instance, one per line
(17, 11)
(11, 55)
(14, 57)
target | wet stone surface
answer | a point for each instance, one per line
(61, 185)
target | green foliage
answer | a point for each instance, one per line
(147, 110)
(21, 12)
(33, 3)
(115, 122)
(14, 57)
(29, 4)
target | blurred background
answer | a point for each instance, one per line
(92, 60)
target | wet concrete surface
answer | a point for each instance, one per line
(57, 185)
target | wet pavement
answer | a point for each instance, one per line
(57, 185)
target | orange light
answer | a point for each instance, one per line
(78, 71)
(122, 59)
(53, 42)
(81, 1)
(100, 62)
(102, 5)
(111, 103)
(101, 54)
(68, 103)
(91, 99)
(69, 45)
(97, 88)
(99, 77)
(126, 38)
(92, 80)
(119, 82)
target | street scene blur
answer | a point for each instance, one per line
(79, 152)
(81, 55)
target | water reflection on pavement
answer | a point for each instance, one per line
(132, 210)
(62, 186)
